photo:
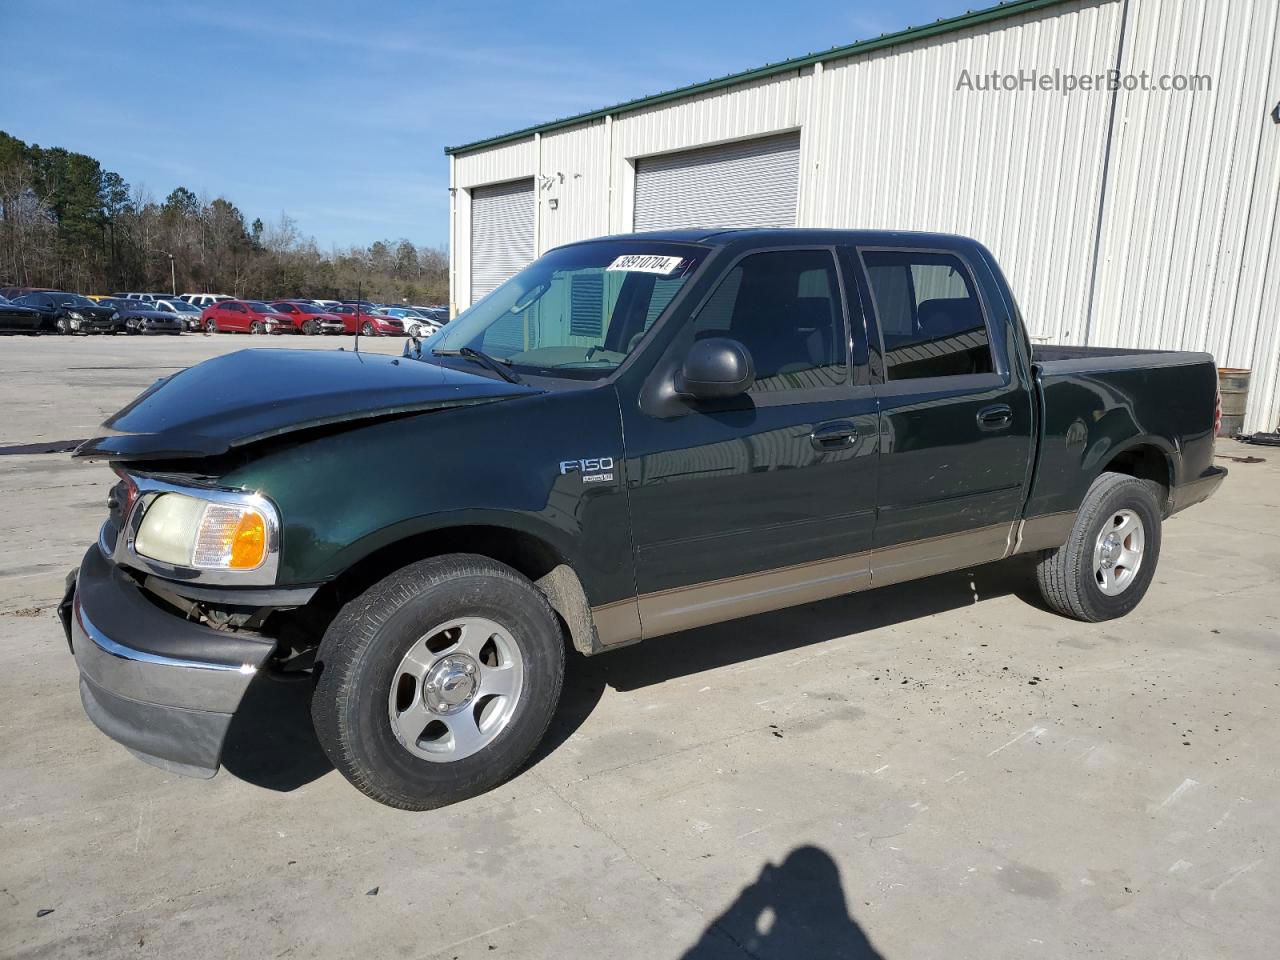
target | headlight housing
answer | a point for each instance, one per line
(205, 535)
(189, 532)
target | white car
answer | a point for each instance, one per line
(188, 313)
(415, 324)
(202, 300)
(327, 304)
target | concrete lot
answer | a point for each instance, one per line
(940, 769)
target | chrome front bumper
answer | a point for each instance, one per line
(163, 686)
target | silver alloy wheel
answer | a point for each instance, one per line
(456, 689)
(1117, 555)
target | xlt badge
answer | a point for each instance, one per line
(593, 469)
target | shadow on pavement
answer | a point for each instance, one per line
(736, 641)
(793, 909)
(271, 742)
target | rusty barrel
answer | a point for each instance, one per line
(1233, 387)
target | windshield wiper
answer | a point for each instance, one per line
(482, 358)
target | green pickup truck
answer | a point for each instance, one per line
(634, 436)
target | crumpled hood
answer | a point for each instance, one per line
(247, 396)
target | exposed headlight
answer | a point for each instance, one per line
(74, 315)
(190, 532)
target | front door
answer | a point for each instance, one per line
(769, 499)
(956, 423)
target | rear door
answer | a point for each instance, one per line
(768, 499)
(956, 422)
(234, 315)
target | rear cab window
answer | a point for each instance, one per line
(931, 319)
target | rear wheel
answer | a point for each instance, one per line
(1105, 567)
(438, 682)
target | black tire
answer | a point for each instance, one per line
(368, 330)
(362, 650)
(211, 325)
(258, 328)
(1066, 576)
(62, 326)
(309, 328)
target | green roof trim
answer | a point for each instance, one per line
(973, 18)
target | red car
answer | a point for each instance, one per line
(245, 316)
(369, 324)
(309, 318)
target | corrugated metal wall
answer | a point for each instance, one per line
(1155, 227)
(1188, 256)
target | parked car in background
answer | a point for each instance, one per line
(64, 312)
(148, 297)
(309, 318)
(369, 324)
(415, 324)
(202, 300)
(187, 313)
(246, 316)
(13, 293)
(17, 318)
(142, 316)
(438, 314)
(325, 303)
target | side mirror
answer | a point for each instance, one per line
(716, 369)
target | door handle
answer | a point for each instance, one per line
(834, 436)
(995, 418)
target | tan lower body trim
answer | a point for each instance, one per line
(687, 607)
(684, 608)
(924, 558)
(1045, 532)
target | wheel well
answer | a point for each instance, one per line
(1144, 462)
(523, 552)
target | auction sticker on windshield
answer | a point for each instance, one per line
(646, 263)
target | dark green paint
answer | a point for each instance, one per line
(699, 492)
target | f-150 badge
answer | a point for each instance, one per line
(593, 469)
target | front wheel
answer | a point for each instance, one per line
(368, 330)
(309, 328)
(1105, 567)
(257, 328)
(437, 683)
(63, 326)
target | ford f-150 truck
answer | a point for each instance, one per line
(634, 436)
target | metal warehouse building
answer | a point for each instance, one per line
(1126, 215)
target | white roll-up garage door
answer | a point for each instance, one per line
(501, 234)
(751, 183)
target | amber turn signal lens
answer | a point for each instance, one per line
(248, 542)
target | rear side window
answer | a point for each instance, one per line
(930, 316)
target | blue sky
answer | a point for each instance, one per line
(338, 112)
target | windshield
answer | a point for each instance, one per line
(257, 306)
(306, 307)
(182, 306)
(578, 311)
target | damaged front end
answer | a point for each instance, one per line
(180, 604)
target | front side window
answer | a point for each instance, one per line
(578, 311)
(785, 308)
(930, 316)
